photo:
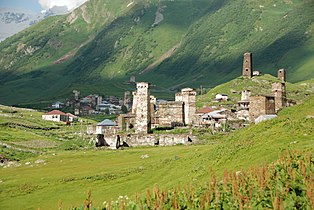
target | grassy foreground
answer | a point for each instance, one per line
(285, 184)
(58, 176)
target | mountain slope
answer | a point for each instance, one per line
(101, 44)
(272, 30)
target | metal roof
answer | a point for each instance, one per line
(107, 122)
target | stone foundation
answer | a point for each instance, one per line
(135, 140)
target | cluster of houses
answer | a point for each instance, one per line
(146, 112)
(91, 104)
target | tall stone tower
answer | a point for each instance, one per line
(142, 115)
(279, 92)
(282, 75)
(153, 102)
(77, 104)
(188, 96)
(134, 103)
(247, 70)
(127, 100)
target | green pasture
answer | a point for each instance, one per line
(66, 176)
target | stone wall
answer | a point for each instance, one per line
(279, 92)
(153, 102)
(170, 113)
(261, 105)
(126, 121)
(134, 103)
(188, 96)
(135, 140)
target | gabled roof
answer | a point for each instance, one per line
(107, 122)
(55, 112)
(71, 115)
(216, 114)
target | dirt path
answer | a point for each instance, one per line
(161, 59)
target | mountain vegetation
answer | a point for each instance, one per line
(171, 44)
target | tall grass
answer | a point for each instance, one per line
(286, 183)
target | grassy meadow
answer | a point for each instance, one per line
(61, 177)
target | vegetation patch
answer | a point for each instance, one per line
(286, 183)
(36, 144)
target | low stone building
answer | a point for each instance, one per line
(134, 140)
(257, 73)
(126, 121)
(261, 105)
(170, 114)
(221, 97)
(106, 125)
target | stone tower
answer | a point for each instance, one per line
(77, 104)
(142, 114)
(247, 70)
(279, 92)
(134, 103)
(99, 100)
(188, 96)
(282, 75)
(153, 102)
(245, 95)
(127, 100)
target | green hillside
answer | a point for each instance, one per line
(171, 44)
(24, 134)
(109, 174)
(257, 85)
